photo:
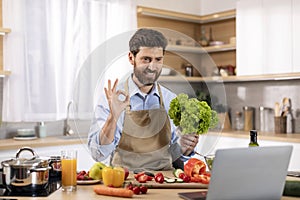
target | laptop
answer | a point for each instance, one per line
(246, 173)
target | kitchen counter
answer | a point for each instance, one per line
(86, 192)
(7, 144)
(280, 137)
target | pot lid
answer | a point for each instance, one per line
(34, 161)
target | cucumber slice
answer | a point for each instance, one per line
(179, 180)
(176, 172)
(170, 180)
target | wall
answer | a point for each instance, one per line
(255, 94)
(196, 7)
(211, 6)
(190, 6)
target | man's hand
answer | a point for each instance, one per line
(116, 106)
(188, 142)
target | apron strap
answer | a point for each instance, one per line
(159, 92)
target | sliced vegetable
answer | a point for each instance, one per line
(194, 166)
(109, 191)
(200, 178)
(195, 169)
(179, 180)
(159, 177)
(176, 172)
(170, 180)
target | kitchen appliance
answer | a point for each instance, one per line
(52, 186)
(27, 176)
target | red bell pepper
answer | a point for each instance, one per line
(196, 169)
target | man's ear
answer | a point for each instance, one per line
(131, 58)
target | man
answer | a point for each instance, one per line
(133, 124)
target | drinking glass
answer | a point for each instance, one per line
(69, 170)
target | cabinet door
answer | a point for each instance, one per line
(277, 36)
(249, 36)
(296, 35)
(264, 37)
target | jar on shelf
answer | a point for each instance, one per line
(239, 122)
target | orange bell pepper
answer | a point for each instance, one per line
(113, 177)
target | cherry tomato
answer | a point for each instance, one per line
(129, 187)
(181, 175)
(186, 179)
(159, 178)
(136, 190)
(143, 189)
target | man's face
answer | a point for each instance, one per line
(147, 64)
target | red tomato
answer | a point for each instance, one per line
(143, 189)
(186, 179)
(181, 175)
(143, 178)
(136, 190)
(159, 178)
(149, 178)
(130, 187)
(136, 176)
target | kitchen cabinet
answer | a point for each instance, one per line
(3, 32)
(268, 37)
(296, 33)
(187, 29)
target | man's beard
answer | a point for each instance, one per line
(143, 79)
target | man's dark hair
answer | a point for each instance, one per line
(146, 38)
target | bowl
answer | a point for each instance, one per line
(209, 161)
(25, 132)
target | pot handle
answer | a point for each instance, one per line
(40, 169)
(34, 155)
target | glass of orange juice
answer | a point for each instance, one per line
(68, 170)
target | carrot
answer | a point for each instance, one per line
(110, 191)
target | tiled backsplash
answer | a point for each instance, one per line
(239, 94)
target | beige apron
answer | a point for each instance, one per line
(145, 139)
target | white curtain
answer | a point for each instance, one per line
(49, 42)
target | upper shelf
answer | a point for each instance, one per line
(4, 73)
(186, 17)
(4, 31)
(228, 79)
(210, 49)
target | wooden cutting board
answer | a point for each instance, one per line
(169, 174)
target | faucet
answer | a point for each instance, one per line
(67, 128)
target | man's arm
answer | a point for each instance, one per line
(104, 133)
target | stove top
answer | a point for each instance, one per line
(52, 187)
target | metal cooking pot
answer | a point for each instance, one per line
(23, 174)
